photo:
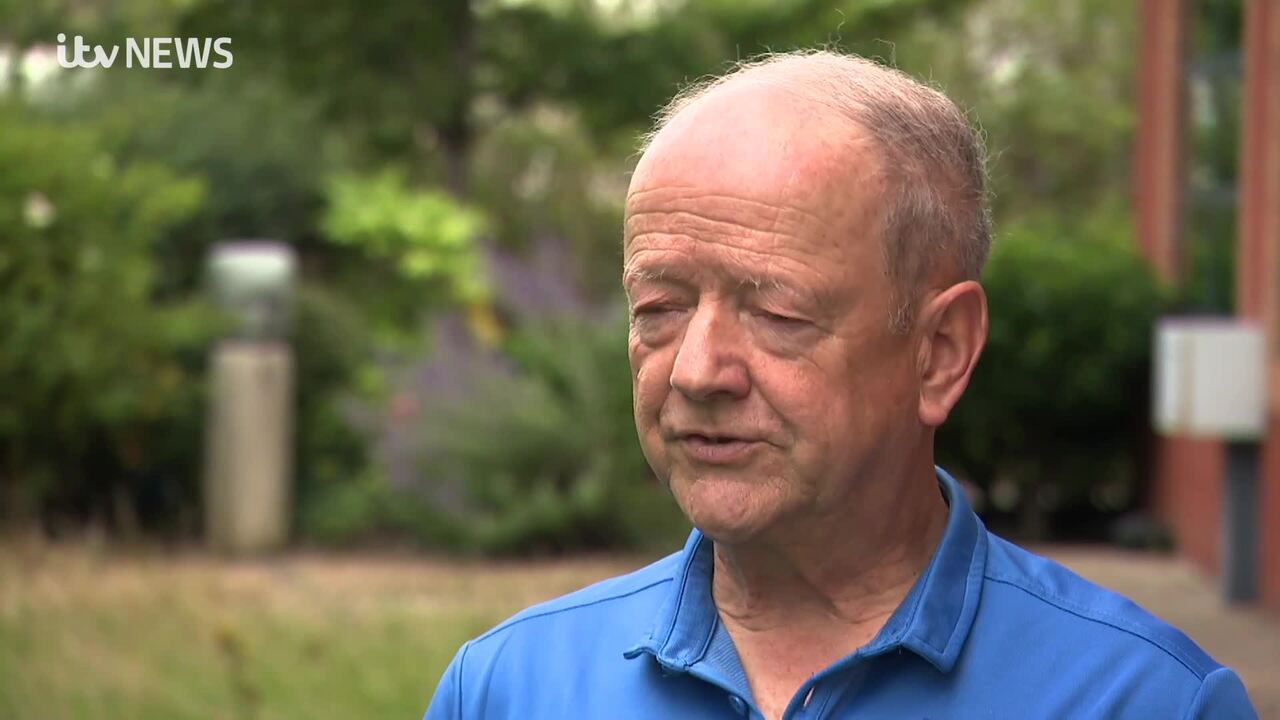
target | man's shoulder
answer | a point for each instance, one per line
(593, 603)
(498, 673)
(1079, 608)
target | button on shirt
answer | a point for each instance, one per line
(988, 631)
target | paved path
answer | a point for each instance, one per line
(1247, 640)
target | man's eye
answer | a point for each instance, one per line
(650, 314)
(649, 310)
(782, 320)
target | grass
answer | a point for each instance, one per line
(93, 633)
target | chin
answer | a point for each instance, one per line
(728, 510)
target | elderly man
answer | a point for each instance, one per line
(803, 241)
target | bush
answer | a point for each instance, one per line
(97, 378)
(333, 356)
(536, 450)
(1055, 415)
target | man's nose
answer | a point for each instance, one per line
(709, 363)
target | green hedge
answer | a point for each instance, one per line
(1056, 413)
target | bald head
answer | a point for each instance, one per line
(848, 124)
(760, 136)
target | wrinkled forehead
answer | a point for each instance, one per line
(762, 143)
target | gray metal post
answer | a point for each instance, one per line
(1240, 523)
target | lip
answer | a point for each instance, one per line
(704, 449)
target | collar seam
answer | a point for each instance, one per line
(973, 591)
(711, 633)
(685, 579)
(943, 651)
(909, 627)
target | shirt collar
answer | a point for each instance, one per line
(932, 621)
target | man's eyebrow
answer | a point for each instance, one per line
(808, 296)
(633, 274)
(665, 275)
(764, 284)
(761, 283)
(638, 274)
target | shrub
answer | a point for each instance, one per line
(529, 444)
(333, 357)
(1056, 411)
(98, 379)
(536, 450)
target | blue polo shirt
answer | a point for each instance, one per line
(988, 631)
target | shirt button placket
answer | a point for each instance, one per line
(738, 704)
(803, 710)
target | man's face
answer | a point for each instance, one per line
(766, 381)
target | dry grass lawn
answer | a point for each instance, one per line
(92, 633)
(87, 633)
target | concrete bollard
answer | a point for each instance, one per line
(249, 458)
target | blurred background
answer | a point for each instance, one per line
(314, 366)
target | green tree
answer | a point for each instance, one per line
(1051, 85)
(91, 366)
(521, 112)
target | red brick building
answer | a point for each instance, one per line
(1187, 473)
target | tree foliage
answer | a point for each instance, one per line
(426, 234)
(396, 144)
(90, 361)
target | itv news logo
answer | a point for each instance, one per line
(160, 52)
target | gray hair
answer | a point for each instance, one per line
(936, 217)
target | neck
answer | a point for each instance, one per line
(849, 567)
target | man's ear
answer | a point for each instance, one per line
(952, 328)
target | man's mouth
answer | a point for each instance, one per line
(716, 449)
(717, 439)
